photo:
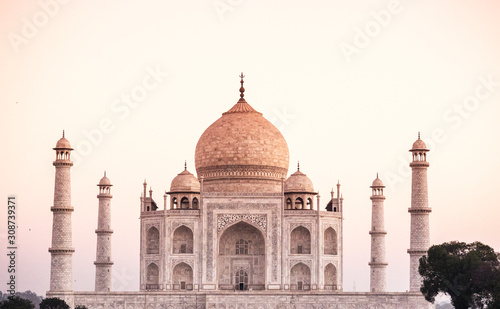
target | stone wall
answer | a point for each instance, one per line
(250, 300)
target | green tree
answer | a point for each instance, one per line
(469, 273)
(16, 302)
(53, 303)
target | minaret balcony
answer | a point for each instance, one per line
(377, 232)
(62, 208)
(416, 251)
(98, 231)
(106, 263)
(62, 163)
(419, 164)
(419, 210)
(62, 250)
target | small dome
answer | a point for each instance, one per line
(419, 144)
(299, 182)
(377, 183)
(105, 181)
(63, 143)
(185, 182)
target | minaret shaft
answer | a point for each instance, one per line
(378, 262)
(103, 261)
(61, 267)
(419, 211)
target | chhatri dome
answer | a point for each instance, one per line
(299, 182)
(185, 182)
(105, 181)
(419, 144)
(241, 144)
(63, 143)
(377, 182)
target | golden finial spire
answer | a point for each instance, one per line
(185, 165)
(63, 133)
(298, 165)
(418, 134)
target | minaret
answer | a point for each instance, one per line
(61, 251)
(378, 261)
(103, 261)
(419, 211)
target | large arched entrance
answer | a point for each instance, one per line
(241, 260)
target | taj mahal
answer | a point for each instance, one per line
(241, 233)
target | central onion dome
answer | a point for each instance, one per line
(241, 144)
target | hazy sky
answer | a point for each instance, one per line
(135, 84)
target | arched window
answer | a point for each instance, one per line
(184, 203)
(241, 280)
(309, 203)
(195, 203)
(153, 241)
(152, 277)
(300, 241)
(330, 277)
(299, 203)
(330, 241)
(289, 203)
(183, 240)
(300, 277)
(241, 247)
(174, 202)
(182, 277)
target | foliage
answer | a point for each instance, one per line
(32, 296)
(16, 302)
(53, 303)
(469, 273)
(80, 307)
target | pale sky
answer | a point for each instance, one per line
(348, 84)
